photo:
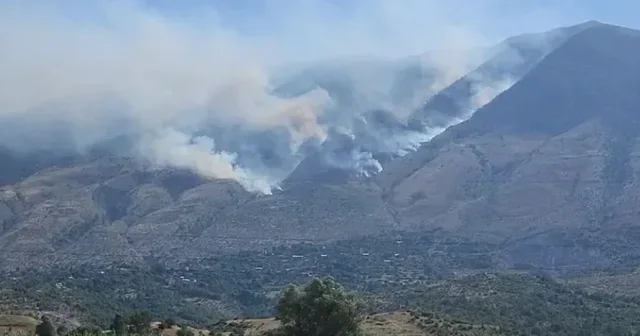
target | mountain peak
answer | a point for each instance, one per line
(597, 25)
(593, 74)
(590, 23)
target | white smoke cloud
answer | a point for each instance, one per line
(102, 68)
(485, 93)
(172, 148)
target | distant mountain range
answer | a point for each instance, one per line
(542, 163)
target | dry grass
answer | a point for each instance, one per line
(16, 324)
(259, 326)
(400, 323)
(173, 331)
(391, 324)
(385, 324)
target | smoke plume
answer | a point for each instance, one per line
(230, 95)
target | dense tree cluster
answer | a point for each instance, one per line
(483, 304)
(385, 270)
(322, 308)
(46, 327)
(239, 281)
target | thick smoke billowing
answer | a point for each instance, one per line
(225, 101)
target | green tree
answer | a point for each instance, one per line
(322, 308)
(140, 322)
(118, 325)
(62, 330)
(86, 331)
(46, 327)
(185, 332)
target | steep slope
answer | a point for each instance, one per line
(556, 154)
(380, 135)
(113, 209)
(507, 62)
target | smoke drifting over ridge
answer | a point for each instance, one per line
(225, 101)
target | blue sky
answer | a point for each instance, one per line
(494, 18)
(328, 28)
(497, 18)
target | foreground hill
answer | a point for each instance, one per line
(531, 305)
(400, 323)
(480, 304)
(15, 324)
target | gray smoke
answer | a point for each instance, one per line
(202, 95)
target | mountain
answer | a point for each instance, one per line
(546, 164)
(379, 135)
(112, 209)
(506, 63)
(545, 172)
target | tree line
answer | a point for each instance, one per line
(321, 308)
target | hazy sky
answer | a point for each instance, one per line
(411, 21)
(495, 18)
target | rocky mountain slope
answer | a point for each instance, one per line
(555, 152)
(551, 162)
(508, 62)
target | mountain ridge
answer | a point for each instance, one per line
(508, 175)
(485, 153)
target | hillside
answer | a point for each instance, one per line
(618, 283)
(548, 162)
(509, 61)
(109, 209)
(380, 129)
(10, 324)
(480, 304)
(530, 305)
(400, 323)
(545, 174)
(243, 284)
